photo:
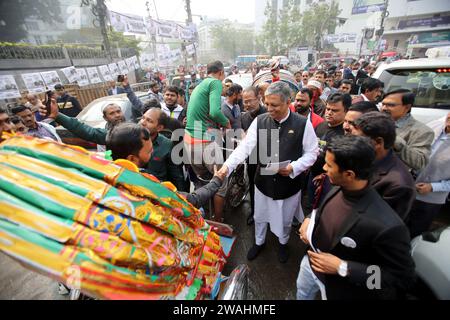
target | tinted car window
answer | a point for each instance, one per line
(432, 89)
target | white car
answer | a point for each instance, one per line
(428, 78)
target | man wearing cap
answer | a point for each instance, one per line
(317, 104)
(275, 70)
(67, 104)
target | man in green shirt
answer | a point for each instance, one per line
(204, 121)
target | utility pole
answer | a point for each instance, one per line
(155, 53)
(101, 11)
(384, 15)
(189, 23)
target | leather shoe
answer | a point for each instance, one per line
(283, 253)
(254, 252)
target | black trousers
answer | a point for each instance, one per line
(421, 217)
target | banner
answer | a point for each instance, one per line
(71, 74)
(438, 37)
(93, 75)
(114, 69)
(8, 88)
(186, 33)
(146, 60)
(168, 29)
(190, 49)
(106, 73)
(424, 22)
(341, 38)
(51, 79)
(34, 82)
(133, 63)
(83, 78)
(123, 67)
(366, 6)
(127, 23)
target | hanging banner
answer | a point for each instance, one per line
(71, 74)
(83, 78)
(341, 38)
(114, 69)
(105, 72)
(8, 88)
(123, 67)
(51, 79)
(34, 82)
(366, 6)
(93, 74)
(133, 63)
(185, 33)
(168, 29)
(146, 60)
(190, 49)
(127, 23)
(151, 26)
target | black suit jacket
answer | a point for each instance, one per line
(395, 185)
(382, 240)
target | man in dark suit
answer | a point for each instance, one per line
(391, 178)
(360, 248)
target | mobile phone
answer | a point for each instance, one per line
(48, 102)
(121, 78)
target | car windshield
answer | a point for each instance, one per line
(93, 112)
(432, 88)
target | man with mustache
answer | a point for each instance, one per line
(414, 139)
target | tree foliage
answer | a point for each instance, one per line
(288, 28)
(231, 41)
(13, 14)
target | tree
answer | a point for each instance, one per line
(13, 15)
(289, 28)
(319, 20)
(231, 41)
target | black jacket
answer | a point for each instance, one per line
(381, 240)
(394, 184)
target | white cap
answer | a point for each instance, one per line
(315, 83)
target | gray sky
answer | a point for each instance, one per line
(240, 10)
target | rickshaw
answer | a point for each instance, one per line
(107, 231)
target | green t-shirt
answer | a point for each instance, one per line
(205, 109)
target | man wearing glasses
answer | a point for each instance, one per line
(414, 139)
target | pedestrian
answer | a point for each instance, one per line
(277, 194)
(433, 183)
(67, 104)
(36, 129)
(354, 235)
(390, 178)
(204, 119)
(414, 139)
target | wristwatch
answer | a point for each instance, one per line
(343, 269)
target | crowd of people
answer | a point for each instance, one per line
(340, 159)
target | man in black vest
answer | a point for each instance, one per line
(287, 147)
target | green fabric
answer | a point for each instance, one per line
(161, 165)
(205, 107)
(82, 130)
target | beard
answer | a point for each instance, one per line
(111, 125)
